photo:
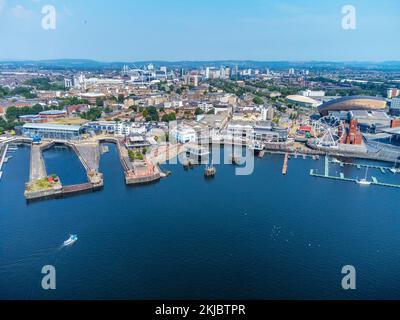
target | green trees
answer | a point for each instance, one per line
(135, 155)
(23, 91)
(151, 114)
(230, 87)
(45, 84)
(211, 111)
(72, 101)
(198, 111)
(169, 117)
(99, 102)
(13, 113)
(259, 101)
(92, 114)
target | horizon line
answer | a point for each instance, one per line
(196, 60)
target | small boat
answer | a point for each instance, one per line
(334, 160)
(364, 182)
(210, 172)
(71, 240)
(395, 169)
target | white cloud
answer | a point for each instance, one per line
(2, 4)
(20, 12)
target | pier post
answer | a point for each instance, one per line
(326, 166)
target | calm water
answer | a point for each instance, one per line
(260, 236)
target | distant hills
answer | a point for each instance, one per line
(87, 64)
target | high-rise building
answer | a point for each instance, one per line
(191, 80)
(393, 92)
(207, 74)
(235, 72)
(68, 83)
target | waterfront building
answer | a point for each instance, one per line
(262, 131)
(135, 141)
(101, 126)
(184, 134)
(240, 129)
(52, 131)
(128, 128)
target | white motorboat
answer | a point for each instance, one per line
(71, 240)
(364, 182)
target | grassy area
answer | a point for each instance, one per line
(43, 184)
(73, 121)
(135, 155)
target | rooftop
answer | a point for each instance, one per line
(49, 126)
(302, 99)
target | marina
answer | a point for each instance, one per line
(363, 181)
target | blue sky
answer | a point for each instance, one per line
(132, 30)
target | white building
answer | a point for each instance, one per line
(310, 93)
(184, 134)
(128, 128)
(173, 104)
(240, 129)
(207, 74)
(206, 107)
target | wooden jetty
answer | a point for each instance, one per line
(285, 164)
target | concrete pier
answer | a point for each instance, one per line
(37, 165)
(3, 152)
(41, 187)
(88, 154)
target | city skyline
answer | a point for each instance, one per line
(206, 31)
